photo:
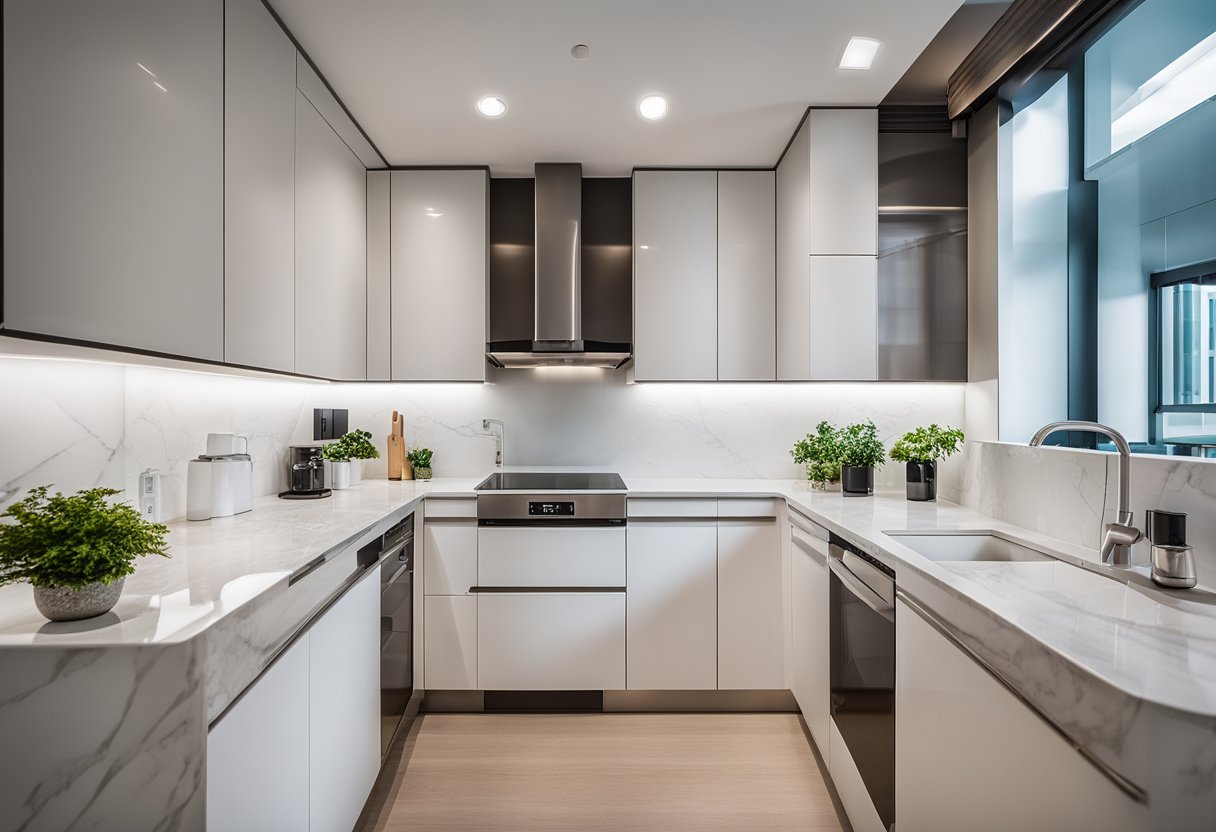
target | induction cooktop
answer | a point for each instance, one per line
(551, 481)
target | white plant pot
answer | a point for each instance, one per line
(340, 474)
(356, 471)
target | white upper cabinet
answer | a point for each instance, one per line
(747, 305)
(675, 283)
(843, 147)
(259, 188)
(827, 242)
(379, 293)
(331, 251)
(114, 173)
(438, 237)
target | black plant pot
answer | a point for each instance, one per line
(857, 480)
(922, 481)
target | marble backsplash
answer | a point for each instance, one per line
(1071, 494)
(76, 424)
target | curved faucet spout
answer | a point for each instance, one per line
(1120, 535)
(500, 439)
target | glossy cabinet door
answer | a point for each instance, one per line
(331, 251)
(439, 255)
(843, 318)
(747, 281)
(969, 755)
(344, 707)
(257, 754)
(450, 642)
(551, 641)
(259, 188)
(379, 291)
(793, 261)
(675, 275)
(843, 189)
(751, 645)
(450, 557)
(809, 648)
(672, 617)
(114, 173)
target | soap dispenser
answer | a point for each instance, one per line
(1172, 562)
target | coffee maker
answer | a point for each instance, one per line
(305, 474)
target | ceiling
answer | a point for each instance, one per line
(925, 81)
(738, 74)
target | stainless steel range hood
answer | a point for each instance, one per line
(557, 337)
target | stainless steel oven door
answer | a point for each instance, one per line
(862, 635)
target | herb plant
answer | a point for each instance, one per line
(927, 444)
(860, 445)
(74, 541)
(820, 452)
(420, 457)
(357, 444)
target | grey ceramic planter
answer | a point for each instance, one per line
(922, 481)
(60, 603)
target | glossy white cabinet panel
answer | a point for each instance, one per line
(439, 223)
(315, 90)
(450, 642)
(572, 556)
(257, 754)
(672, 616)
(259, 188)
(551, 641)
(843, 147)
(450, 508)
(751, 643)
(379, 293)
(331, 251)
(793, 263)
(344, 707)
(114, 173)
(969, 755)
(844, 318)
(675, 275)
(647, 507)
(809, 649)
(450, 557)
(747, 279)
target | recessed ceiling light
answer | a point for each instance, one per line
(491, 106)
(652, 107)
(859, 54)
(579, 51)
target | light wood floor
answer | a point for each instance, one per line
(602, 772)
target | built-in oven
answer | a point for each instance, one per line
(396, 629)
(862, 632)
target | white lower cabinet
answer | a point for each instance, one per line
(257, 754)
(809, 648)
(300, 749)
(672, 619)
(551, 641)
(344, 707)
(969, 755)
(450, 642)
(751, 648)
(449, 557)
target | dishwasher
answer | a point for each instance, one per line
(396, 548)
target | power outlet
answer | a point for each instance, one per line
(329, 422)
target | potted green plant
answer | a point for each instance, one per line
(921, 449)
(76, 551)
(820, 453)
(420, 459)
(861, 452)
(359, 446)
(337, 454)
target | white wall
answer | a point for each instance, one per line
(75, 424)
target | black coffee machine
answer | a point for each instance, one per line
(305, 474)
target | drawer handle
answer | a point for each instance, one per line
(490, 590)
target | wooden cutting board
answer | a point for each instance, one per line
(396, 447)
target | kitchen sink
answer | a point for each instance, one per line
(977, 546)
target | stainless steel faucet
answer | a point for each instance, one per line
(500, 439)
(1121, 534)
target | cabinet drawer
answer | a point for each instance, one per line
(551, 641)
(439, 507)
(553, 557)
(449, 558)
(739, 507)
(672, 508)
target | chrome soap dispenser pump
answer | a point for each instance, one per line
(1172, 561)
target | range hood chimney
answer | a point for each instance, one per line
(557, 337)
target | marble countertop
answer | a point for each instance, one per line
(1153, 645)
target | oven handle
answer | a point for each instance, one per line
(859, 589)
